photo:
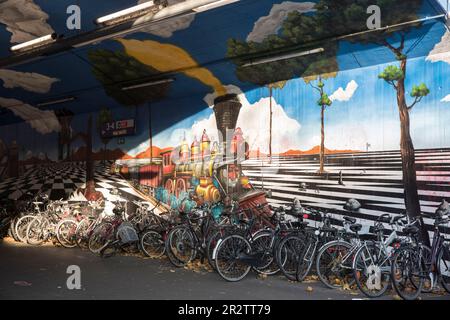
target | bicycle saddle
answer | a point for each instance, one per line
(410, 230)
(356, 227)
(350, 220)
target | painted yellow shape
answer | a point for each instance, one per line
(166, 57)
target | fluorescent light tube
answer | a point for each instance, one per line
(35, 42)
(148, 84)
(214, 5)
(283, 57)
(126, 13)
(48, 103)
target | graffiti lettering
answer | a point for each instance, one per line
(374, 21)
(73, 22)
(74, 280)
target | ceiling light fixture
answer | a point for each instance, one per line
(148, 84)
(283, 57)
(214, 5)
(38, 42)
(58, 101)
(130, 13)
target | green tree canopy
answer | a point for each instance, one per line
(116, 69)
(297, 30)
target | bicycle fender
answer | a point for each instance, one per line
(215, 249)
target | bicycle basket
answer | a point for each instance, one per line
(126, 233)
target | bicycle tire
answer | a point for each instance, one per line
(81, 236)
(176, 250)
(67, 241)
(229, 249)
(340, 273)
(287, 255)
(269, 266)
(443, 267)
(100, 238)
(21, 227)
(36, 229)
(406, 263)
(306, 259)
(359, 270)
(155, 240)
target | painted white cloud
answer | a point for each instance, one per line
(446, 98)
(345, 95)
(271, 24)
(441, 51)
(355, 136)
(167, 28)
(254, 122)
(24, 19)
(29, 81)
(43, 121)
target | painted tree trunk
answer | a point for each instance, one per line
(322, 139)
(90, 184)
(407, 151)
(60, 147)
(270, 124)
(105, 155)
(69, 153)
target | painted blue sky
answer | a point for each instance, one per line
(368, 116)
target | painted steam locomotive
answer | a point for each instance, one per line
(211, 170)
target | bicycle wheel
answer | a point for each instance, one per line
(81, 234)
(65, 233)
(211, 245)
(37, 230)
(443, 266)
(21, 227)
(262, 246)
(287, 254)
(426, 267)
(101, 236)
(180, 246)
(12, 229)
(152, 244)
(334, 264)
(228, 257)
(371, 270)
(306, 258)
(407, 273)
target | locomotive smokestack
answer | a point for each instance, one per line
(226, 110)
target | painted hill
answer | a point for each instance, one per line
(146, 154)
(314, 150)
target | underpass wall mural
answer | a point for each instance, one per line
(311, 128)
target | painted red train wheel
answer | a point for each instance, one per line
(180, 187)
(169, 186)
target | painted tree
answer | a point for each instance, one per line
(323, 102)
(90, 193)
(350, 17)
(65, 117)
(104, 116)
(297, 32)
